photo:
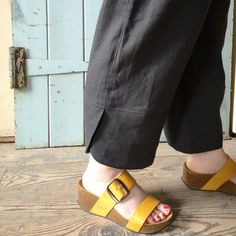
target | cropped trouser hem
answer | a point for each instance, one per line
(195, 149)
(122, 139)
(106, 162)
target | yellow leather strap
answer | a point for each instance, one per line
(223, 175)
(142, 212)
(105, 203)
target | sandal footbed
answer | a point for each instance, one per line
(195, 181)
(87, 199)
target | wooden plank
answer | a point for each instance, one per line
(38, 156)
(9, 139)
(31, 103)
(66, 91)
(41, 183)
(91, 12)
(227, 63)
(44, 67)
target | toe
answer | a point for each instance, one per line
(150, 220)
(159, 213)
(153, 218)
(165, 209)
(156, 215)
(157, 218)
(162, 215)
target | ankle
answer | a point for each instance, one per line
(217, 153)
(96, 171)
(207, 162)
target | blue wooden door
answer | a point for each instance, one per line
(57, 36)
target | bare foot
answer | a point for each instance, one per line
(100, 176)
(208, 162)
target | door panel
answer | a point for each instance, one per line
(65, 42)
(91, 9)
(49, 112)
(31, 103)
(227, 63)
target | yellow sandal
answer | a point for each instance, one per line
(116, 191)
(219, 181)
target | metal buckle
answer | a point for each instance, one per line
(122, 185)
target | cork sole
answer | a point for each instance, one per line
(195, 181)
(86, 200)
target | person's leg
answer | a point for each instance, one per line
(194, 124)
(139, 53)
(138, 56)
(208, 162)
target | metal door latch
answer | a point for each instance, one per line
(17, 67)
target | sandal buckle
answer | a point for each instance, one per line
(123, 187)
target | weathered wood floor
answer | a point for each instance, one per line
(37, 195)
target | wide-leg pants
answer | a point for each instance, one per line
(155, 64)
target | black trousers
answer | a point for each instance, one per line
(155, 64)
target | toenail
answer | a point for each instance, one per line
(166, 207)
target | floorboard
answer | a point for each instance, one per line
(38, 195)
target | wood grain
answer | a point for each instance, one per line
(7, 139)
(38, 195)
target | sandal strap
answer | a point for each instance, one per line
(227, 172)
(116, 191)
(142, 212)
